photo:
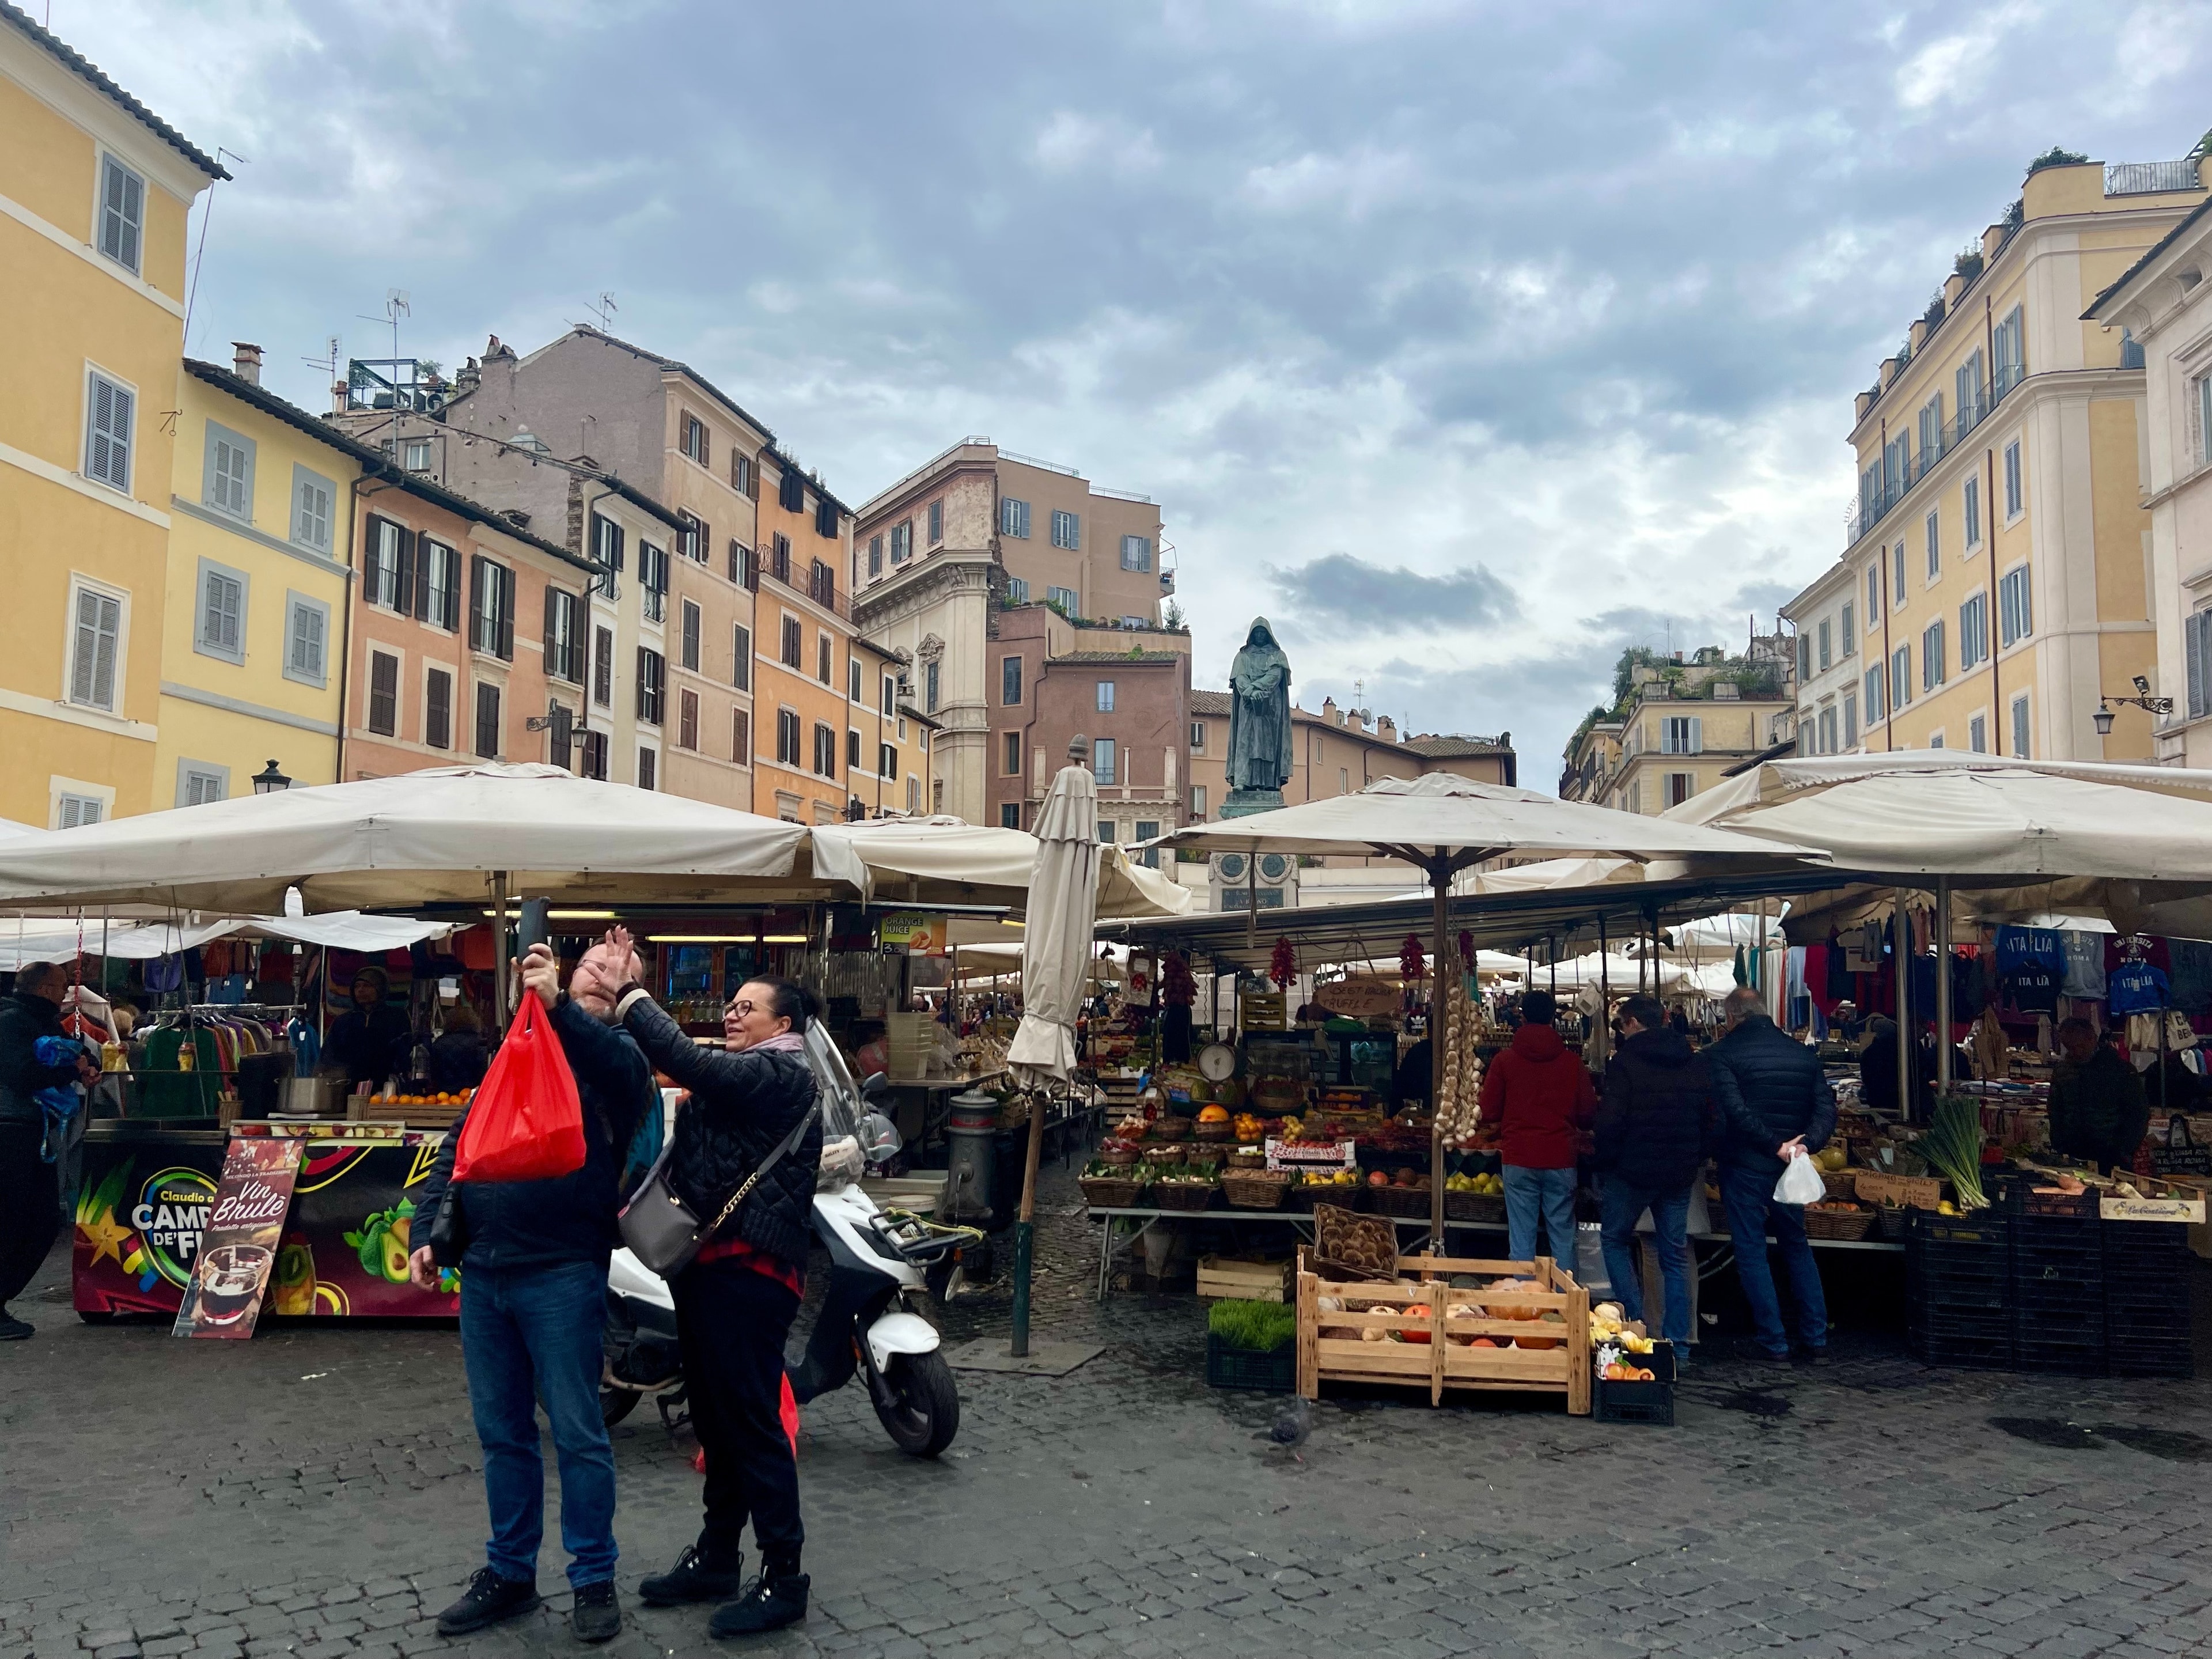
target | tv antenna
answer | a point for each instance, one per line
(604, 309)
(333, 353)
(395, 306)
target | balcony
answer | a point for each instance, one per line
(1874, 505)
(2151, 178)
(819, 586)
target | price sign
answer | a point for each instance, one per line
(1310, 1155)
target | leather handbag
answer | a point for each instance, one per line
(659, 1228)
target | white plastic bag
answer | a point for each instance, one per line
(1801, 1181)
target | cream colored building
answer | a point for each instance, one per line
(1996, 580)
(1687, 723)
(2165, 305)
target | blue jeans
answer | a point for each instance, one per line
(1624, 1206)
(1748, 1197)
(531, 1335)
(1552, 1192)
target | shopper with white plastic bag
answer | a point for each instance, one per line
(1776, 1108)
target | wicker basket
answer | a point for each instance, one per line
(1840, 1184)
(1119, 1155)
(1169, 1128)
(1893, 1221)
(1843, 1224)
(1184, 1194)
(1248, 1158)
(1168, 1153)
(1474, 1206)
(1225, 1133)
(1255, 1190)
(1203, 1157)
(1110, 1191)
(1411, 1202)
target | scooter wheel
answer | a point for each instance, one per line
(615, 1404)
(924, 1412)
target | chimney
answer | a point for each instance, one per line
(1387, 729)
(247, 360)
(1328, 711)
(340, 394)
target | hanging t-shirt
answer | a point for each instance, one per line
(2032, 988)
(2085, 965)
(2190, 973)
(2017, 946)
(2137, 987)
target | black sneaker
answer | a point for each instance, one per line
(489, 1598)
(696, 1577)
(15, 1330)
(768, 1604)
(1811, 1356)
(596, 1612)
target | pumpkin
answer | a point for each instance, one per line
(1511, 1311)
(1413, 1310)
(1483, 1342)
(1535, 1341)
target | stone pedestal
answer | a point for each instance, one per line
(1242, 802)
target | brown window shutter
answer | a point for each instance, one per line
(506, 612)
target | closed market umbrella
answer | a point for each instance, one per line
(1063, 903)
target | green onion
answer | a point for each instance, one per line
(1952, 1147)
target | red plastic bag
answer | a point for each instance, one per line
(525, 1122)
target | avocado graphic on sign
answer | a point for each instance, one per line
(382, 1243)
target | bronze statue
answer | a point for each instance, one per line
(1259, 746)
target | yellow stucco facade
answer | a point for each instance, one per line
(261, 515)
(94, 200)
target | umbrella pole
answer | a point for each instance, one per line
(1024, 1226)
(1901, 954)
(1942, 984)
(1440, 891)
(499, 968)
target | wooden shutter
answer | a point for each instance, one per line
(477, 564)
(552, 640)
(505, 578)
(372, 557)
(404, 592)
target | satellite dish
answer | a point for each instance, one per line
(1216, 1062)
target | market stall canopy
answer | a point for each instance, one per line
(1616, 972)
(981, 963)
(945, 860)
(58, 938)
(423, 838)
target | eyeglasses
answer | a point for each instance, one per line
(740, 1006)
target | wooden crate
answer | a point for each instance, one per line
(1248, 1282)
(1441, 1362)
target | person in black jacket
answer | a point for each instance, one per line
(1653, 1125)
(1775, 1102)
(458, 1055)
(736, 1301)
(30, 1203)
(533, 1259)
(370, 1041)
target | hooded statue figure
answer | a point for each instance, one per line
(1260, 715)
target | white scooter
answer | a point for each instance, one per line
(879, 1267)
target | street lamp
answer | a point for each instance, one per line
(2142, 700)
(269, 780)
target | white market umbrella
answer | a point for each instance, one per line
(1443, 823)
(1063, 903)
(947, 860)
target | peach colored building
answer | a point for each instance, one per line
(806, 676)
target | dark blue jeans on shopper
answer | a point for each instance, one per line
(1749, 1196)
(529, 1335)
(1624, 1204)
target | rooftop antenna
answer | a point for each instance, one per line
(333, 353)
(395, 306)
(604, 310)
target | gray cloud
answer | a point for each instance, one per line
(1355, 596)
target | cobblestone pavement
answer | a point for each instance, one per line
(315, 1491)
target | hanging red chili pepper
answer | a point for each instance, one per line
(1412, 964)
(1466, 949)
(1283, 965)
(1178, 989)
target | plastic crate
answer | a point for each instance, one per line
(1991, 1350)
(2168, 1356)
(1240, 1368)
(2060, 1355)
(2019, 1198)
(1984, 1230)
(1651, 1403)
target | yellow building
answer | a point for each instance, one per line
(1994, 586)
(253, 644)
(1684, 723)
(94, 191)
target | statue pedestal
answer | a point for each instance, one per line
(1242, 802)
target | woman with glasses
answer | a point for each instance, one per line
(735, 1302)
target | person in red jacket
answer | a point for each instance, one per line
(1543, 1100)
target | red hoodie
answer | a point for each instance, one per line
(1540, 1095)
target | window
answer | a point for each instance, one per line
(108, 418)
(2016, 610)
(1107, 834)
(1147, 829)
(1198, 734)
(226, 472)
(1136, 553)
(825, 751)
(1681, 734)
(1066, 531)
(2020, 732)
(602, 667)
(744, 568)
(1973, 631)
(415, 454)
(1828, 730)
(491, 608)
(593, 761)
(1105, 696)
(853, 681)
(2196, 648)
(1978, 733)
(825, 517)
(688, 638)
(1931, 430)
(741, 650)
(1018, 591)
(742, 477)
(687, 720)
(651, 685)
(437, 709)
(875, 556)
(793, 652)
(1064, 600)
(2014, 494)
(822, 671)
(779, 556)
(936, 521)
(1900, 677)
(198, 782)
(890, 693)
(1874, 694)
(914, 793)
(695, 438)
(1102, 759)
(2010, 340)
(786, 736)
(929, 687)
(1897, 575)
(1966, 383)
(653, 580)
(1804, 657)
(1677, 787)
(1935, 550)
(821, 584)
(1874, 592)
(1013, 518)
(564, 636)
(1198, 802)
(1009, 815)
(902, 541)
(852, 749)
(387, 566)
(1850, 721)
(95, 644)
(1932, 656)
(1935, 740)
(607, 554)
(1849, 644)
(306, 640)
(648, 767)
(122, 213)
(488, 723)
(1824, 650)
(383, 694)
(741, 737)
(219, 618)
(312, 497)
(71, 810)
(791, 488)
(1970, 500)
(886, 761)
(1013, 755)
(692, 541)
(1010, 681)
(2204, 418)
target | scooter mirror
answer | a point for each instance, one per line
(874, 1083)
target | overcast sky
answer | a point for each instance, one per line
(1467, 342)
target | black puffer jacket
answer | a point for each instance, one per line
(1658, 1114)
(1771, 1089)
(23, 1020)
(741, 1108)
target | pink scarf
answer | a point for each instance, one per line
(783, 1042)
